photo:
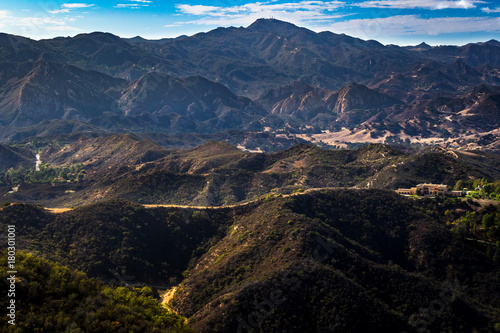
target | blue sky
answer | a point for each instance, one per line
(402, 22)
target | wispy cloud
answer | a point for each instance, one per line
(67, 7)
(40, 21)
(59, 11)
(4, 13)
(425, 4)
(198, 9)
(135, 4)
(36, 26)
(129, 5)
(405, 25)
(76, 5)
(488, 10)
(299, 13)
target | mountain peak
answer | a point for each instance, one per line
(424, 46)
(493, 42)
(103, 37)
(353, 86)
(271, 24)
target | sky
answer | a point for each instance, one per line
(401, 22)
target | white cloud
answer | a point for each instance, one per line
(136, 4)
(76, 5)
(488, 10)
(197, 9)
(130, 5)
(36, 26)
(4, 13)
(299, 13)
(39, 21)
(59, 11)
(405, 25)
(465, 4)
(426, 4)
(67, 7)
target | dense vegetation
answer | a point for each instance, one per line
(53, 298)
(153, 245)
(482, 225)
(479, 188)
(342, 260)
(46, 175)
(330, 260)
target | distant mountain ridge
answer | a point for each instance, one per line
(271, 75)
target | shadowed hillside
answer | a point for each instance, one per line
(344, 260)
(128, 167)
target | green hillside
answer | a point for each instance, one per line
(53, 298)
(330, 260)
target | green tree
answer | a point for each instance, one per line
(488, 220)
(459, 185)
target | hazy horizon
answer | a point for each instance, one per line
(399, 22)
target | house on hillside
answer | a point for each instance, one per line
(429, 190)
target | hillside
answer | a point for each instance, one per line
(15, 157)
(128, 167)
(54, 91)
(55, 298)
(307, 103)
(334, 261)
(102, 238)
(344, 260)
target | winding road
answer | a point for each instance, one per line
(62, 210)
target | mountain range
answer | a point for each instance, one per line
(271, 76)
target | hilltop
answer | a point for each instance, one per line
(126, 166)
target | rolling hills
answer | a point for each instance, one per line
(126, 166)
(341, 260)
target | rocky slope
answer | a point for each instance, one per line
(306, 82)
